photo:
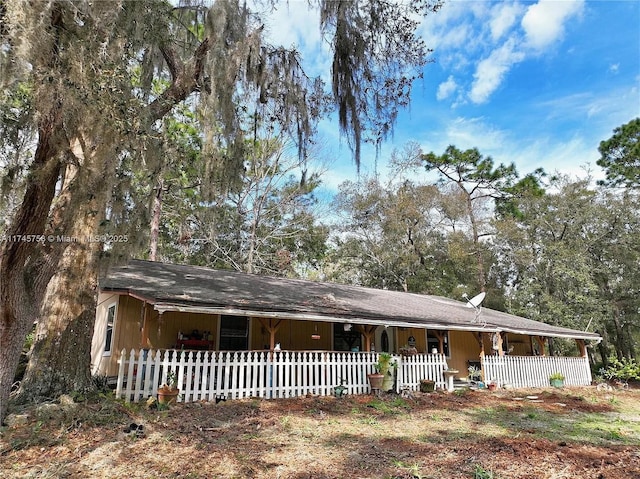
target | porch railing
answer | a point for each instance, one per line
(207, 375)
(534, 371)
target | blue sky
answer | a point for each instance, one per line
(537, 83)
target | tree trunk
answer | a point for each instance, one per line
(156, 215)
(482, 282)
(60, 358)
(23, 272)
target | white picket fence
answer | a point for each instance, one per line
(534, 371)
(207, 375)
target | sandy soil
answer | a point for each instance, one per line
(577, 433)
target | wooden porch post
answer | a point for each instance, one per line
(480, 339)
(500, 350)
(582, 347)
(540, 340)
(272, 328)
(369, 334)
(144, 328)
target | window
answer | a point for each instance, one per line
(111, 318)
(346, 340)
(234, 333)
(434, 342)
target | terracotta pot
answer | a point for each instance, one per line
(375, 380)
(492, 386)
(168, 396)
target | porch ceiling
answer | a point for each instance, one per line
(172, 287)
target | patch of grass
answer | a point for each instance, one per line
(369, 421)
(410, 470)
(395, 406)
(480, 472)
(579, 427)
(285, 422)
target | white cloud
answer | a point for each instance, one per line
(447, 88)
(504, 16)
(467, 133)
(491, 71)
(561, 155)
(453, 25)
(294, 24)
(615, 68)
(544, 21)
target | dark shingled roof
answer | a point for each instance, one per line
(181, 287)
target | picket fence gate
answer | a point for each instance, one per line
(534, 371)
(209, 375)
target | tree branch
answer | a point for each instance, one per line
(185, 79)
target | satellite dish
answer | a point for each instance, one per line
(475, 301)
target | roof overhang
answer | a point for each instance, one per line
(172, 307)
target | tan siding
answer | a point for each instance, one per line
(293, 335)
(463, 347)
(163, 331)
(521, 344)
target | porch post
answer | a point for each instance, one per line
(144, 326)
(480, 340)
(499, 344)
(368, 333)
(582, 347)
(272, 329)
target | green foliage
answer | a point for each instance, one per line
(399, 235)
(620, 156)
(624, 369)
(480, 472)
(478, 182)
(556, 377)
(384, 362)
(568, 260)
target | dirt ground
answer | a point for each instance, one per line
(534, 434)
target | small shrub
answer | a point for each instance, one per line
(622, 370)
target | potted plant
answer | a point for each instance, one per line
(492, 386)
(556, 380)
(474, 374)
(341, 390)
(168, 392)
(407, 350)
(388, 369)
(382, 367)
(427, 386)
(375, 380)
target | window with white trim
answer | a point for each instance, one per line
(108, 337)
